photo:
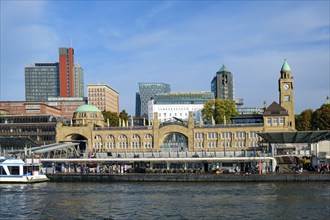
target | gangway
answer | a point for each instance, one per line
(57, 150)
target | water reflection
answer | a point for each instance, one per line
(165, 200)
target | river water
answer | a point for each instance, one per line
(143, 200)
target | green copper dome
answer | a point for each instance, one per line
(224, 69)
(88, 108)
(285, 66)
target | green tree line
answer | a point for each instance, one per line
(220, 110)
(113, 117)
(309, 120)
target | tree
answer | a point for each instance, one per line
(124, 115)
(304, 120)
(113, 118)
(321, 118)
(219, 109)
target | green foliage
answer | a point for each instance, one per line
(321, 118)
(113, 118)
(314, 120)
(219, 109)
(124, 115)
(304, 120)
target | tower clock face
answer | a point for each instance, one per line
(286, 86)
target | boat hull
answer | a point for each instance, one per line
(23, 179)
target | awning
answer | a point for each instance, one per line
(295, 137)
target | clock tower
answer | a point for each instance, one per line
(285, 87)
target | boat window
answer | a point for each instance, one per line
(27, 170)
(2, 171)
(14, 170)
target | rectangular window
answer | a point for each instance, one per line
(282, 120)
(286, 98)
(269, 121)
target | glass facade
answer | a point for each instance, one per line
(137, 104)
(58, 79)
(78, 81)
(41, 81)
(148, 91)
(40, 128)
(183, 98)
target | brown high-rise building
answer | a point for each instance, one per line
(104, 97)
(66, 61)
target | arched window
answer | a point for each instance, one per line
(97, 143)
(136, 141)
(148, 141)
(123, 142)
(110, 142)
(175, 142)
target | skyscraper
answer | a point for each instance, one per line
(78, 81)
(146, 92)
(59, 79)
(137, 104)
(66, 61)
(41, 81)
(222, 84)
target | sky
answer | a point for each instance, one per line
(182, 43)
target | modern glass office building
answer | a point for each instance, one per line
(183, 98)
(148, 91)
(42, 81)
(58, 79)
(78, 81)
(137, 104)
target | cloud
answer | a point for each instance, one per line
(154, 12)
(180, 43)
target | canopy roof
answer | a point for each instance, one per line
(16, 142)
(295, 137)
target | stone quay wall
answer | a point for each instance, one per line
(146, 177)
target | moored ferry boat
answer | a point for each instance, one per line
(14, 170)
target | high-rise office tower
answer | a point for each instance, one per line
(41, 81)
(137, 104)
(78, 81)
(66, 72)
(59, 79)
(222, 84)
(146, 92)
(104, 97)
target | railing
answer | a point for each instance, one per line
(163, 124)
(229, 125)
(124, 128)
(178, 154)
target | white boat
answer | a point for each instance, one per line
(14, 170)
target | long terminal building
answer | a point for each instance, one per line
(89, 127)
